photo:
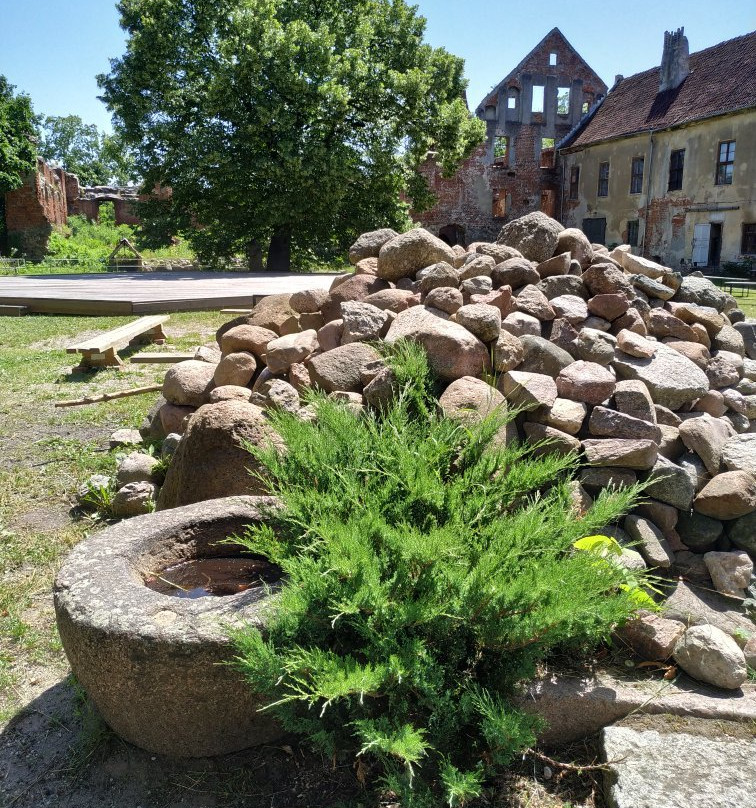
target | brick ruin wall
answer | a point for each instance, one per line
(46, 199)
(486, 193)
(464, 199)
(38, 206)
(122, 209)
(469, 201)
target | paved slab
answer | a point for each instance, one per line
(150, 292)
(575, 707)
(696, 765)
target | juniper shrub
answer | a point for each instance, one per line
(428, 570)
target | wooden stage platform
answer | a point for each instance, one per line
(149, 292)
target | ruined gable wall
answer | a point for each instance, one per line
(487, 192)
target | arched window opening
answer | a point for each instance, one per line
(452, 234)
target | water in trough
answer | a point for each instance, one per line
(200, 577)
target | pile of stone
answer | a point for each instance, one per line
(648, 375)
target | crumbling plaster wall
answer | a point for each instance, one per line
(667, 218)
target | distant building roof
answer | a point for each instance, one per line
(722, 79)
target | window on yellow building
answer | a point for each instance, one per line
(725, 162)
(636, 175)
(603, 180)
(748, 243)
(676, 164)
(574, 181)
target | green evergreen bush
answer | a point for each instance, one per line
(427, 572)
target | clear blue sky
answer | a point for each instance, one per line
(53, 49)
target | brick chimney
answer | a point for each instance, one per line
(675, 64)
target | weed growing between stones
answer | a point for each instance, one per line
(429, 570)
(96, 495)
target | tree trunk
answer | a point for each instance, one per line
(254, 256)
(279, 251)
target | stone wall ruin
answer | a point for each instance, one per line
(515, 172)
(47, 198)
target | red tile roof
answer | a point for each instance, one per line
(722, 79)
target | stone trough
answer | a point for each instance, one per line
(155, 665)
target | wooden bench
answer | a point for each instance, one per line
(100, 351)
(730, 284)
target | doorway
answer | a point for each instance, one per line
(715, 244)
(595, 229)
(452, 234)
(707, 244)
(548, 202)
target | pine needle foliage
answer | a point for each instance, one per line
(426, 575)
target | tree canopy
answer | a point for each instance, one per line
(286, 121)
(96, 158)
(18, 151)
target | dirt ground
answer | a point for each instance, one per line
(57, 753)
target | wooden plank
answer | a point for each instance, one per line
(88, 308)
(121, 335)
(133, 293)
(156, 358)
(203, 304)
(236, 311)
(136, 391)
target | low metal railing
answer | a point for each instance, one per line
(13, 263)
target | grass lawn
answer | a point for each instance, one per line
(747, 304)
(46, 453)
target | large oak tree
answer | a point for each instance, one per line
(280, 122)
